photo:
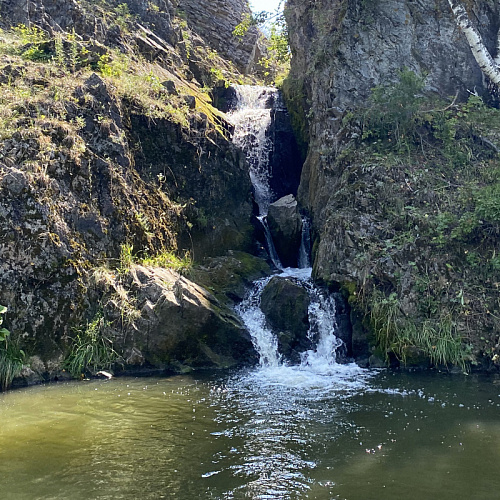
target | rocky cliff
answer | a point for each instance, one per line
(112, 153)
(216, 20)
(392, 176)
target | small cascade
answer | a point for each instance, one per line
(251, 118)
(305, 245)
(322, 325)
(273, 254)
(266, 344)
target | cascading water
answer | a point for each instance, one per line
(251, 118)
(305, 244)
(318, 366)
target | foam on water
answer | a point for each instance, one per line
(318, 370)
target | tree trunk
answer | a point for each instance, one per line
(489, 66)
(497, 57)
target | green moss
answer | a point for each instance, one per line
(349, 290)
(295, 99)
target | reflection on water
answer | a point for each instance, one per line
(276, 433)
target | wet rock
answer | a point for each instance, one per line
(285, 225)
(376, 361)
(285, 305)
(286, 160)
(228, 277)
(28, 377)
(416, 358)
(134, 357)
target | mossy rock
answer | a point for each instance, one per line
(228, 277)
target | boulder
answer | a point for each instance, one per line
(285, 305)
(285, 225)
(177, 324)
(228, 277)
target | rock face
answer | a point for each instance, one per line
(178, 324)
(212, 180)
(286, 160)
(285, 305)
(216, 20)
(285, 225)
(375, 236)
(229, 276)
(54, 16)
(90, 169)
(369, 44)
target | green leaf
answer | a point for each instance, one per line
(4, 334)
(3, 309)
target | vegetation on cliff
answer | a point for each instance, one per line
(418, 188)
(108, 140)
(401, 173)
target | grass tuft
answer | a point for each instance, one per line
(92, 350)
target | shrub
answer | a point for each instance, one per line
(394, 109)
(437, 338)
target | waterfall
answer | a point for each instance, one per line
(266, 344)
(320, 360)
(251, 118)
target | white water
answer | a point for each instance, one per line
(251, 119)
(318, 369)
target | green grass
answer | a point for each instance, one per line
(92, 350)
(162, 259)
(11, 364)
(168, 260)
(436, 338)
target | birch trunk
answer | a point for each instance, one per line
(497, 57)
(488, 65)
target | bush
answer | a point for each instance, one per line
(393, 114)
(488, 204)
(11, 357)
(437, 338)
(11, 364)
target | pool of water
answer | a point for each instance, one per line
(268, 433)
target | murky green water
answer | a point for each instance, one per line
(254, 436)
